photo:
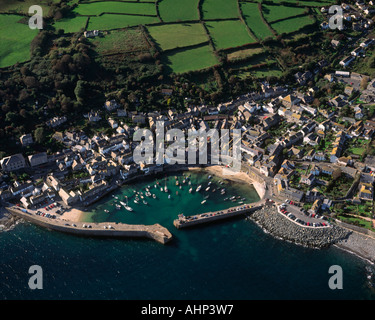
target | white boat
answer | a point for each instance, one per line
(145, 202)
(135, 201)
(169, 196)
(209, 183)
(106, 211)
(208, 188)
(161, 189)
(118, 207)
(232, 198)
(199, 188)
(190, 190)
(154, 196)
(203, 202)
(209, 177)
(126, 206)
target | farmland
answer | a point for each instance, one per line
(187, 27)
(222, 34)
(219, 9)
(182, 10)
(181, 61)
(15, 38)
(172, 36)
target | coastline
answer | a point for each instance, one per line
(241, 177)
(361, 245)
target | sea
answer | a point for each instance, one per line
(228, 260)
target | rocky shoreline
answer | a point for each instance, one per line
(7, 221)
(278, 226)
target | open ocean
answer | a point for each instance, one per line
(231, 260)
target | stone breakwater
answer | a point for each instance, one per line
(270, 220)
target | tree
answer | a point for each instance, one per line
(79, 91)
(39, 135)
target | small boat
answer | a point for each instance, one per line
(161, 189)
(189, 183)
(199, 188)
(155, 186)
(135, 201)
(154, 196)
(241, 202)
(213, 190)
(190, 190)
(106, 211)
(147, 189)
(169, 196)
(180, 187)
(145, 202)
(203, 202)
(208, 188)
(226, 199)
(176, 193)
(126, 206)
(243, 199)
(209, 183)
(238, 197)
(118, 207)
(183, 181)
(206, 197)
(209, 177)
(177, 183)
(232, 198)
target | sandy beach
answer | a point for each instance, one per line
(74, 215)
(225, 173)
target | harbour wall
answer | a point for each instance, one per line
(155, 232)
(209, 217)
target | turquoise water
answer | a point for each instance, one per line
(232, 259)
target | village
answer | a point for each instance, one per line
(312, 148)
(318, 158)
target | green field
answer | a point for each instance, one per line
(15, 39)
(126, 40)
(292, 25)
(181, 61)
(117, 21)
(178, 10)
(253, 20)
(219, 9)
(17, 6)
(97, 8)
(71, 25)
(245, 53)
(227, 34)
(172, 36)
(273, 13)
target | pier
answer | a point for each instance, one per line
(189, 221)
(104, 229)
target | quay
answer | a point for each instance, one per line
(189, 221)
(103, 229)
